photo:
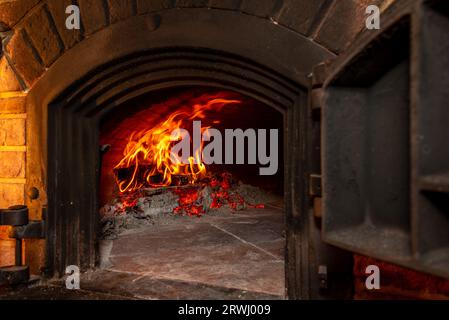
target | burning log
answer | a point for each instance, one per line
(145, 180)
(139, 174)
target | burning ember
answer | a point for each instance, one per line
(148, 160)
(213, 193)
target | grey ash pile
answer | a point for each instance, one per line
(164, 205)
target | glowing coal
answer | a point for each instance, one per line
(146, 206)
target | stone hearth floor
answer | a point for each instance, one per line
(232, 256)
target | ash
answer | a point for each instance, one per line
(217, 195)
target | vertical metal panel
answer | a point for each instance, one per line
(366, 141)
(385, 155)
(431, 138)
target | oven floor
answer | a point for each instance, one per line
(233, 256)
(228, 256)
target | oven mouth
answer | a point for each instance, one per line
(75, 131)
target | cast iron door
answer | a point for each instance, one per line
(385, 141)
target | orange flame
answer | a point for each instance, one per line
(151, 149)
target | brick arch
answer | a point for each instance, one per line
(39, 37)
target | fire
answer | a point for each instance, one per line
(147, 158)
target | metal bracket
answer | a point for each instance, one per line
(32, 230)
(22, 228)
(14, 216)
(14, 275)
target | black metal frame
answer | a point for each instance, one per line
(73, 135)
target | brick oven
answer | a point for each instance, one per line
(71, 100)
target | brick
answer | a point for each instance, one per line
(23, 58)
(13, 164)
(121, 9)
(7, 250)
(192, 3)
(11, 194)
(93, 15)
(346, 19)
(12, 104)
(145, 6)
(40, 28)
(300, 15)
(57, 9)
(260, 8)
(4, 231)
(225, 4)
(12, 132)
(11, 11)
(8, 79)
(398, 282)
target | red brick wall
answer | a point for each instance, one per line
(6, 248)
(397, 282)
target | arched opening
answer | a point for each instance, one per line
(141, 86)
(218, 223)
(211, 108)
(147, 53)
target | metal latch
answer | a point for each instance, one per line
(315, 185)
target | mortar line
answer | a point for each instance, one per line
(246, 242)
